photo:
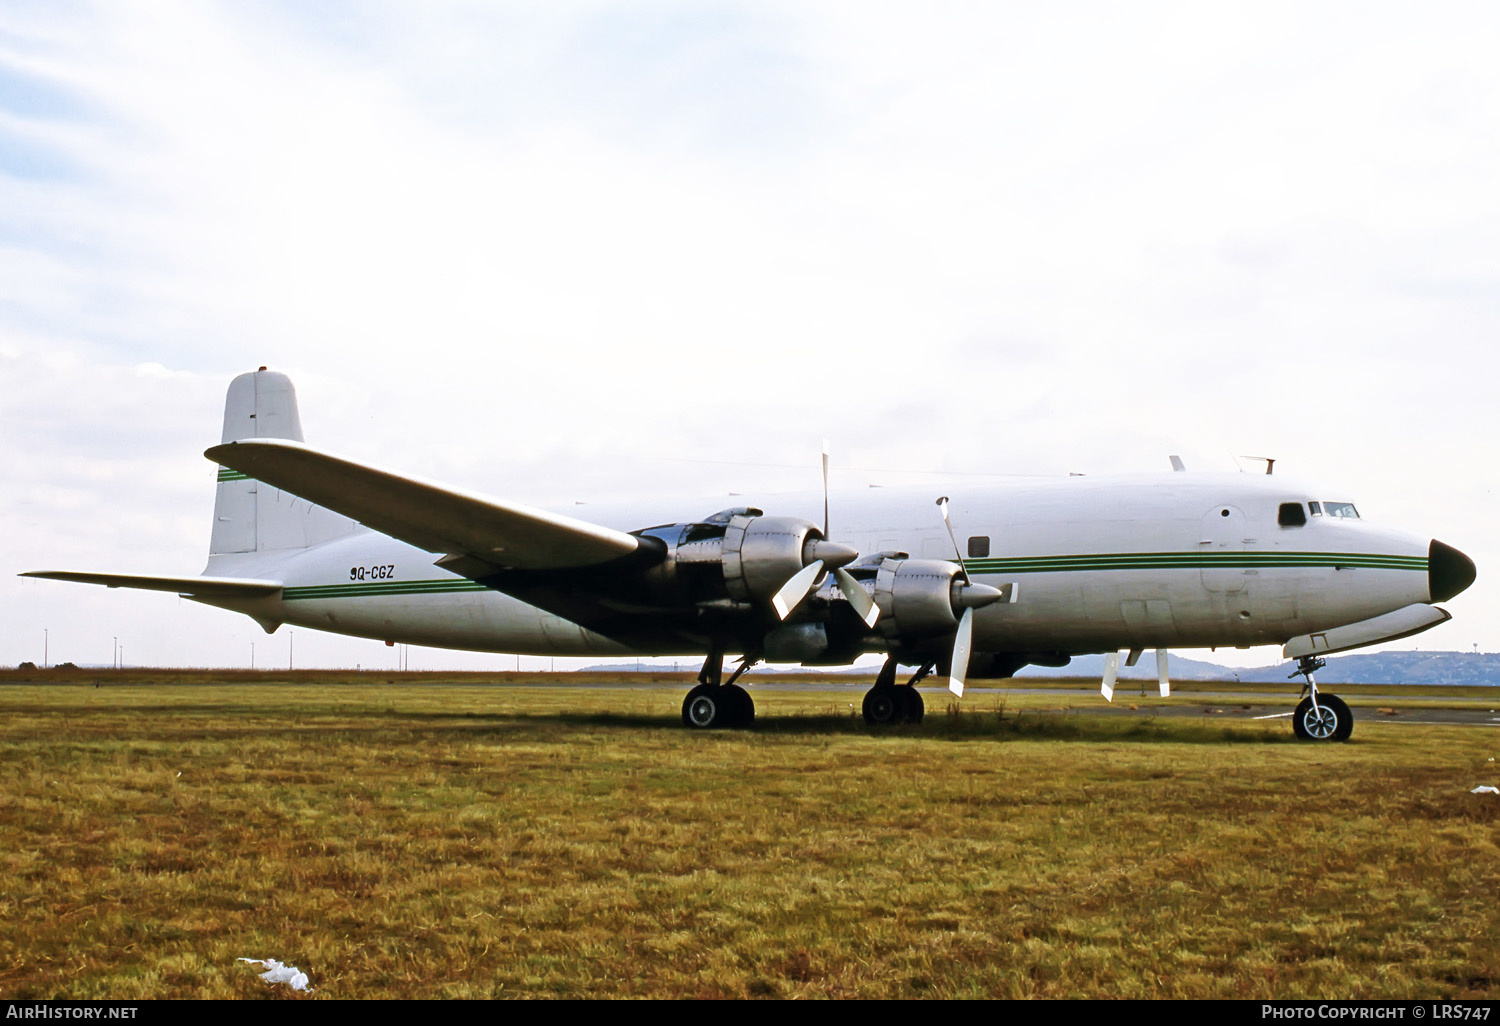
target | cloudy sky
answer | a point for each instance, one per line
(564, 251)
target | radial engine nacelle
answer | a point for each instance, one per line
(921, 598)
(738, 558)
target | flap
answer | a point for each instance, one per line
(427, 515)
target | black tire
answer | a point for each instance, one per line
(1332, 722)
(1346, 718)
(883, 706)
(743, 705)
(912, 706)
(705, 708)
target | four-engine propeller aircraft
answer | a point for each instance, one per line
(1047, 569)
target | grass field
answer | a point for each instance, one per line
(474, 840)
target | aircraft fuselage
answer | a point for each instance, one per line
(1094, 564)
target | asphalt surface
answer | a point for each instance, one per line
(1222, 705)
(1228, 704)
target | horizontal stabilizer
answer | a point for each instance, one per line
(427, 515)
(1403, 623)
(196, 587)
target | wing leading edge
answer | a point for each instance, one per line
(478, 535)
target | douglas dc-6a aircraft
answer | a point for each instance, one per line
(1048, 569)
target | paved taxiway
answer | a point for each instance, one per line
(1386, 707)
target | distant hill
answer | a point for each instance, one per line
(1360, 668)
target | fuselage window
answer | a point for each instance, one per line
(1291, 514)
(1315, 508)
(979, 545)
(1341, 509)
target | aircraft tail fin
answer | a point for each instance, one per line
(250, 516)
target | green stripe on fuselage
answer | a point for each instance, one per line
(365, 589)
(989, 565)
(1218, 560)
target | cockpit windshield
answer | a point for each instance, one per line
(1341, 509)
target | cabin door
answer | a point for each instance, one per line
(1222, 536)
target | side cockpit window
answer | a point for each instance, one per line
(1315, 508)
(1291, 514)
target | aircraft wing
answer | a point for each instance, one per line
(478, 534)
(196, 587)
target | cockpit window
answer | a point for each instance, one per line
(1341, 509)
(1315, 508)
(1291, 514)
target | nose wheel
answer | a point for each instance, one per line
(1319, 717)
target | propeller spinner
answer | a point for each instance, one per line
(820, 554)
(970, 596)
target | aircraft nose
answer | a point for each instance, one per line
(1448, 571)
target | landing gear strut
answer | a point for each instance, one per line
(887, 703)
(715, 704)
(1319, 717)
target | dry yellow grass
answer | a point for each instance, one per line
(468, 840)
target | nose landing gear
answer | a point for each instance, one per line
(1319, 717)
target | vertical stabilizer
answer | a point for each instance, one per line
(261, 404)
(250, 516)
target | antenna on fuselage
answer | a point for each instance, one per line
(1269, 461)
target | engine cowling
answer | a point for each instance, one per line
(760, 553)
(923, 598)
(737, 558)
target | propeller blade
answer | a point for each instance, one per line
(864, 605)
(1164, 685)
(942, 504)
(1111, 670)
(825, 488)
(791, 594)
(959, 664)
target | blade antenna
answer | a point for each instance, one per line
(943, 505)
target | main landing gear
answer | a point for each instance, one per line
(888, 703)
(1319, 717)
(712, 704)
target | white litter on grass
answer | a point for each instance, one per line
(278, 973)
(1485, 789)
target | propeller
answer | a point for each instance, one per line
(970, 596)
(1111, 671)
(820, 554)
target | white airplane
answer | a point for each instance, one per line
(1048, 569)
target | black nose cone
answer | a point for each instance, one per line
(1448, 571)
